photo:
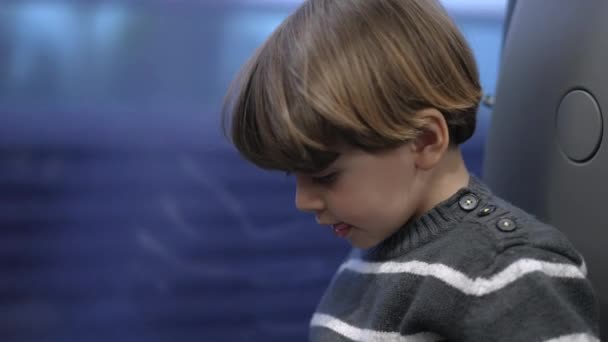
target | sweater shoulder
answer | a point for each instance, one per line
(482, 244)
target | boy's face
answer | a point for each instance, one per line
(366, 197)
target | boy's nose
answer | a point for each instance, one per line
(308, 198)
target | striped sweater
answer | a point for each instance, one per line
(475, 268)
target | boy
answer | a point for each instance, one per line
(366, 102)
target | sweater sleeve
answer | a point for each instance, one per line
(530, 299)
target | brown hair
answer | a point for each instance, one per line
(355, 71)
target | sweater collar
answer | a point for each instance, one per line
(432, 224)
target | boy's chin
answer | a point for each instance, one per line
(362, 243)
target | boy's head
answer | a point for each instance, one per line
(339, 77)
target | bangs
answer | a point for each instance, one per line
(296, 100)
(272, 123)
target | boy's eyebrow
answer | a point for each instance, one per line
(322, 173)
(335, 164)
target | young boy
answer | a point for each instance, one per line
(366, 103)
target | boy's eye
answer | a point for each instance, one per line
(326, 179)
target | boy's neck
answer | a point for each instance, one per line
(449, 176)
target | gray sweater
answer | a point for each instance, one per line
(475, 268)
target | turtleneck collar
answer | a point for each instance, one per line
(432, 224)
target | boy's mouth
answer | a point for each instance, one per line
(342, 229)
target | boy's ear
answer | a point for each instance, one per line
(433, 142)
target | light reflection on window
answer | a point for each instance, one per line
(59, 40)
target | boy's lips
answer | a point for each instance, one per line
(342, 229)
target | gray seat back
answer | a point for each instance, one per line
(545, 150)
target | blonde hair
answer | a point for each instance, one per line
(355, 71)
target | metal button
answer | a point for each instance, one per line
(468, 202)
(486, 211)
(506, 225)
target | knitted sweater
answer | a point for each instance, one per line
(474, 268)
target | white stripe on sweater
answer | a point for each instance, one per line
(575, 338)
(476, 287)
(366, 335)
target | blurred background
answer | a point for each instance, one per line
(124, 213)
